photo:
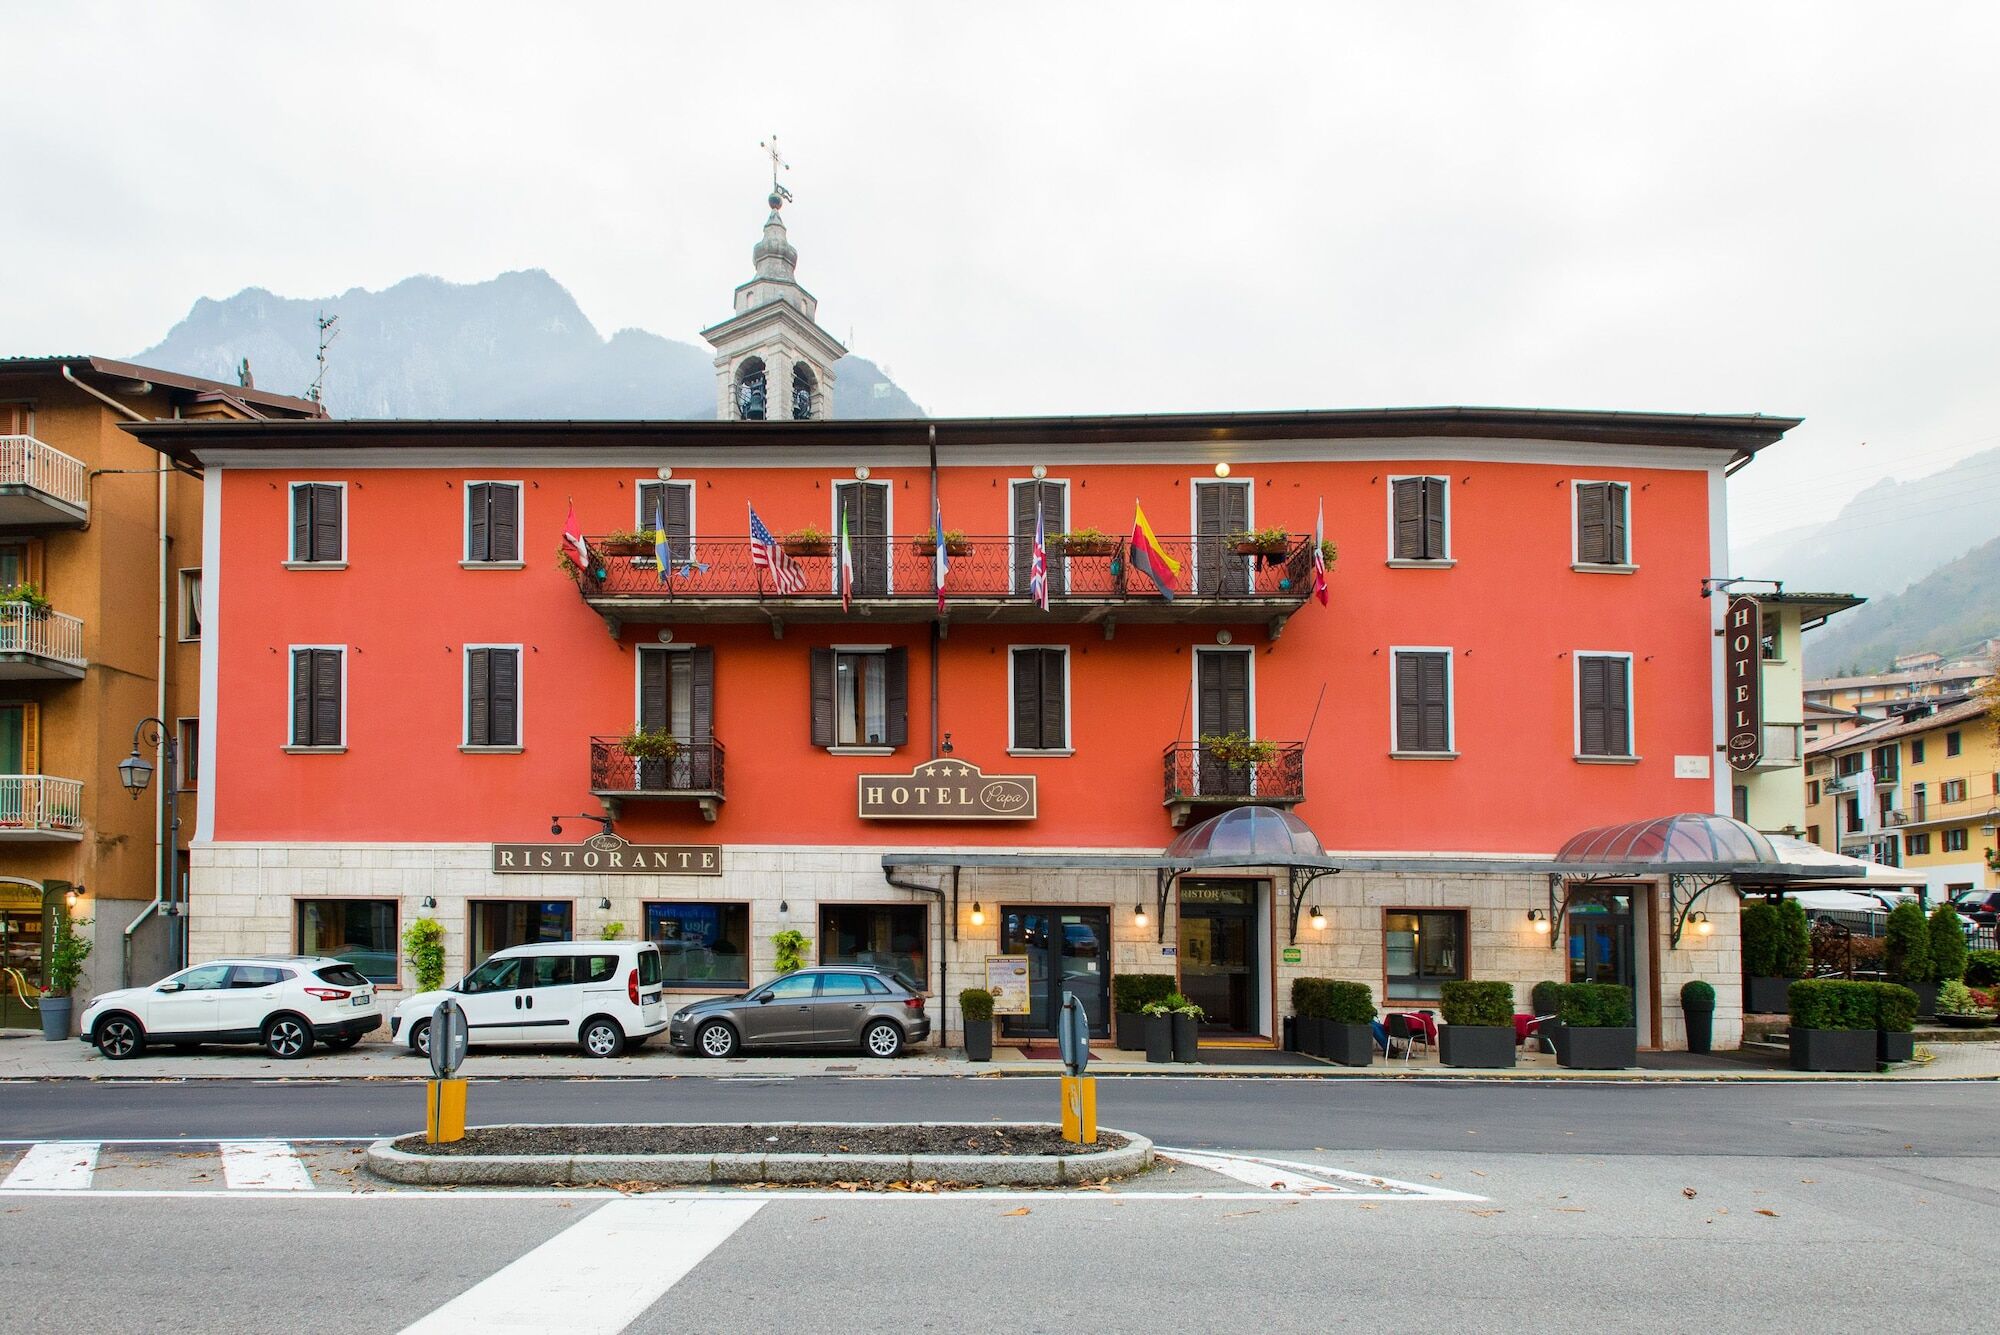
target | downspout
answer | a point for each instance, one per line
(937, 624)
(944, 961)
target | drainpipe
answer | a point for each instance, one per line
(937, 625)
(944, 961)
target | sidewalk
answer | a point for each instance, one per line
(26, 1056)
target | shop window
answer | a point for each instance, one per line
(360, 932)
(701, 945)
(500, 923)
(1422, 951)
(892, 938)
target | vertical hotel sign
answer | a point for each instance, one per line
(1743, 681)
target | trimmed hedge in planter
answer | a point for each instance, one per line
(1546, 997)
(1347, 1029)
(1598, 1034)
(1895, 1016)
(975, 1004)
(1698, 1010)
(1772, 957)
(1130, 995)
(1478, 1024)
(1833, 1025)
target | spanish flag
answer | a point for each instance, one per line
(1149, 558)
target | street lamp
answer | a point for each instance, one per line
(136, 773)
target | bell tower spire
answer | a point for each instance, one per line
(773, 362)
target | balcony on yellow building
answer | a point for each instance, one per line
(37, 644)
(35, 808)
(40, 486)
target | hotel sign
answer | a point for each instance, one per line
(603, 854)
(946, 790)
(1743, 681)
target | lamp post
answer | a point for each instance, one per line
(135, 772)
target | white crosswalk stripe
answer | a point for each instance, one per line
(263, 1165)
(54, 1167)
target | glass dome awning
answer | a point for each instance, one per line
(1691, 842)
(1247, 836)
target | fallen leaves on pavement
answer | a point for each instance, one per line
(1688, 1192)
(1773, 1214)
(1016, 1213)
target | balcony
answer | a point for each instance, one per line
(987, 582)
(37, 809)
(1197, 779)
(39, 645)
(1886, 776)
(693, 774)
(41, 487)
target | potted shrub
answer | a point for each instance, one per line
(1949, 954)
(1129, 994)
(1763, 985)
(1084, 542)
(955, 543)
(1309, 1004)
(1185, 1018)
(1598, 1033)
(1895, 1016)
(1478, 1024)
(810, 540)
(1833, 1025)
(650, 744)
(1957, 1008)
(1698, 1010)
(1160, 1028)
(975, 1004)
(1908, 951)
(68, 949)
(1261, 542)
(1237, 750)
(1347, 1031)
(32, 601)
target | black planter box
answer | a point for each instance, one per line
(1159, 1038)
(1131, 1029)
(1481, 1045)
(1927, 995)
(1701, 1028)
(1598, 1049)
(1186, 1031)
(1289, 1029)
(1893, 1045)
(1312, 1035)
(1767, 996)
(979, 1040)
(1349, 1044)
(1833, 1049)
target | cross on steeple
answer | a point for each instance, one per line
(779, 195)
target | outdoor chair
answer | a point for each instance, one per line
(1409, 1030)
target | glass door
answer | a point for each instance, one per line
(20, 955)
(1219, 958)
(1069, 954)
(1600, 938)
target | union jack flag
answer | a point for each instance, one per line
(767, 554)
(1038, 564)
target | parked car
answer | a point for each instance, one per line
(1983, 910)
(285, 1002)
(825, 1007)
(604, 995)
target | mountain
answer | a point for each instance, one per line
(514, 346)
(1949, 610)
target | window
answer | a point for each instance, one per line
(259, 975)
(668, 507)
(360, 932)
(1039, 687)
(1772, 635)
(1047, 500)
(1812, 792)
(318, 689)
(1739, 802)
(203, 978)
(845, 985)
(493, 976)
(500, 923)
(1417, 528)
(1851, 763)
(701, 945)
(1951, 790)
(792, 987)
(492, 522)
(1916, 750)
(1952, 743)
(1955, 841)
(319, 523)
(1601, 515)
(1422, 951)
(1423, 701)
(1603, 705)
(860, 697)
(1853, 816)
(493, 695)
(554, 971)
(1812, 834)
(190, 604)
(891, 938)
(1916, 844)
(187, 751)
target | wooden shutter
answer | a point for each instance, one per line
(1027, 697)
(701, 716)
(31, 737)
(1617, 712)
(1592, 527)
(1434, 535)
(16, 419)
(822, 697)
(504, 697)
(478, 531)
(1222, 704)
(679, 518)
(1055, 519)
(1617, 496)
(478, 697)
(896, 694)
(1603, 708)
(326, 500)
(653, 689)
(1409, 518)
(1055, 733)
(502, 515)
(1434, 686)
(302, 498)
(325, 697)
(1221, 509)
(302, 675)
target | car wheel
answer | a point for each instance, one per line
(119, 1037)
(420, 1038)
(884, 1038)
(602, 1037)
(716, 1039)
(287, 1037)
(343, 1043)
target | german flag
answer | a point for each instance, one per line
(1149, 558)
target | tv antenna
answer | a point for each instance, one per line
(779, 195)
(327, 333)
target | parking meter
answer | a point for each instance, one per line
(449, 1035)
(1073, 1035)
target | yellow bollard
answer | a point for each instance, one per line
(1079, 1109)
(444, 1111)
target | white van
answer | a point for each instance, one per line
(604, 995)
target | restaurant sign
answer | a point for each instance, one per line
(603, 854)
(946, 790)
(1743, 681)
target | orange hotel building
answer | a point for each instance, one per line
(404, 683)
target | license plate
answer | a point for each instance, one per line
(650, 998)
(361, 998)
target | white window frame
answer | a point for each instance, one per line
(639, 507)
(1450, 751)
(465, 522)
(465, 700)
(1576, 561)
(1014, 748)
(1444, 562)
(1194, 536)
(855, 748)
(293, 560)
(185, 571)
(833, 528)
(1631, 753)
(1194, 681)
(190, 765)
(1008, 527)
(291, 704)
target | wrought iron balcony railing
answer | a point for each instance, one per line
(692, 773)
(1200, 776)
(34, 806)
(39, 643)
(40, 484)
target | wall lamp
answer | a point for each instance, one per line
(555, 822)
(1222, 470)
(1317, 919)
(604, 905)
(1138, 915)
(1539, 920)
(1702, 926)
(978, 915)
(75, 895)
(427, 902)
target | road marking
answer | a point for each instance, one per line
(596, 1276)
(1273, 1175)
(1252, 1171)
(263, 1165)
(56, 1167)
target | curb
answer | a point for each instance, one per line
(550, 1170)
(1189, 1073)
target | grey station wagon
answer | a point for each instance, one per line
(831, 1006)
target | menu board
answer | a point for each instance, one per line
(1007, 980)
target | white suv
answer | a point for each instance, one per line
(285, 1002)
(604, 995)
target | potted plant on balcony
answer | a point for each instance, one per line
(809, 540)
(955, 543)
(1347, 1031)
(1698, 1011)
(31, 600)
(1478, 1024)
(1895, 1017)
(1083, 542)
(68, 949)
(1130, 994)
(1833, 1025)
(625, 542)
(975, 1004)
(1908, 952)
(1261, 542)
(650, 744)
(1598, 1033)
(1310, 1007)
(1237, 750)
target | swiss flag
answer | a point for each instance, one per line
(573, 545)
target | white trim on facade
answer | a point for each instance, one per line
(1576, 657)
(1718, 562)
(292, 557)
(1389, 518)
(1069, 723)
(639, 506)
(465, 698)
(1060, 526)
(1450, 698)
(465, 521)
(1576, 561)
(181, 585)
(833, 528)
(1194, 680)
(292, 703)
(211, 652)
(1249, 485)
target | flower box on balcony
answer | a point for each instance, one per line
(955, 544)
(626, 544)
(1083, 544)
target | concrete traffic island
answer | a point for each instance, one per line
(679, 1154)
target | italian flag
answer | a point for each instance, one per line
(844, 571)
(1149, 558)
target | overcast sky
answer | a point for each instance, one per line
(1087, 207)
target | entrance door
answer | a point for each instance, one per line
(21, 921)
(1600, 938)
(677, 695)
(1222, 707)
(1221, 510)
(866, 506)
(1220, 957)
(1069, 954)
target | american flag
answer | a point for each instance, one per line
(766, 554)
(1038, 564)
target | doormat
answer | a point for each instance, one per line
(1043, 1052)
